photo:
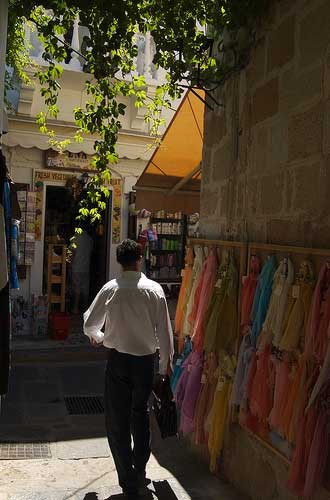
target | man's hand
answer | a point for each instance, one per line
(94, 343)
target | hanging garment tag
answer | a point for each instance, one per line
(295, 291)
(182, 273)
(244, 278)
(189, 368)
(218, 283)
(221, 383)
(278, 290)
(178, 362)
(203, 379)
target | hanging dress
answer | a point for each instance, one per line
(288, 407)
(188, 389)
(192, 285)
(296, 319)
(248, 291)
(208, 279)
(241, 374)
(189, 261)
(205, 398)
(305, 434)
(262, 297)
(319, 451)
(316, 337)
(261, 397)
(272, 327)
(281, 390)
(222, 323)
(220, 407)
(177, 371)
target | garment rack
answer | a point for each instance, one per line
(296, 254)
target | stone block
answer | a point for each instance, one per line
(222, 160)
(289, 179)
(209, 201)
(217, 128)
(306, 197)
(272, 194)
(306, 133)
(265, 101)
(206, 164)
(256, 69)
(224, 199)
(314, 34)
(260, 148)
(239, 199)
(281, 44)
(285, 7)
(253, 195)
(326, 141)
(278, 143)
(256, 231)
(212, 134)
(300, 88)
(317, 234)
(285, 232)
(244, 460)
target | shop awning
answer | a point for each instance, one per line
(171, 180)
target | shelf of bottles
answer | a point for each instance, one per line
(167, 248)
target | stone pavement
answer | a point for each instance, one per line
(81, 467)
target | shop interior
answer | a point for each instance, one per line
(66, 282)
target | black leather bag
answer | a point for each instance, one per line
(164, 407)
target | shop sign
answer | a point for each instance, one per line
(116, 212)
(41, 176)
(69, 161)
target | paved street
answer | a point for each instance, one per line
(75, 462)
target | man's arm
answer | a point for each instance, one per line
(94, 317)
(165, 335)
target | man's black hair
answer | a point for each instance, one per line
(128, 252)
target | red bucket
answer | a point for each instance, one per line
(59, 324)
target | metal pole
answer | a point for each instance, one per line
(3, 48)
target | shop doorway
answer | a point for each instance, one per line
(70, 286)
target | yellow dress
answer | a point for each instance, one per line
(296, 319)
(190, 293)
(220, 408)
(222, 323)
(184, 290)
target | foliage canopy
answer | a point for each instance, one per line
(202, 42)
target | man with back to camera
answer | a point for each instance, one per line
(134, 311)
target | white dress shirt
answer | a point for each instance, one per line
(134, 311)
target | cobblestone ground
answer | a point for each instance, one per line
(79, 465)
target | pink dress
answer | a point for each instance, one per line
(188, 389)
(316, 336)
(205, 289)
(305, 435)
(281, 392)
(248, 291)
(262, 388)
(205, 398)
(319, 450)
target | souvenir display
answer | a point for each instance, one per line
(255, 350)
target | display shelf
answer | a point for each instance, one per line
(164, 251)
(163, 235)
(157, 219)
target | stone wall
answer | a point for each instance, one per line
(266, 174)
(266, 161)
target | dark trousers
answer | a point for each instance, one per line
(128, 386)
